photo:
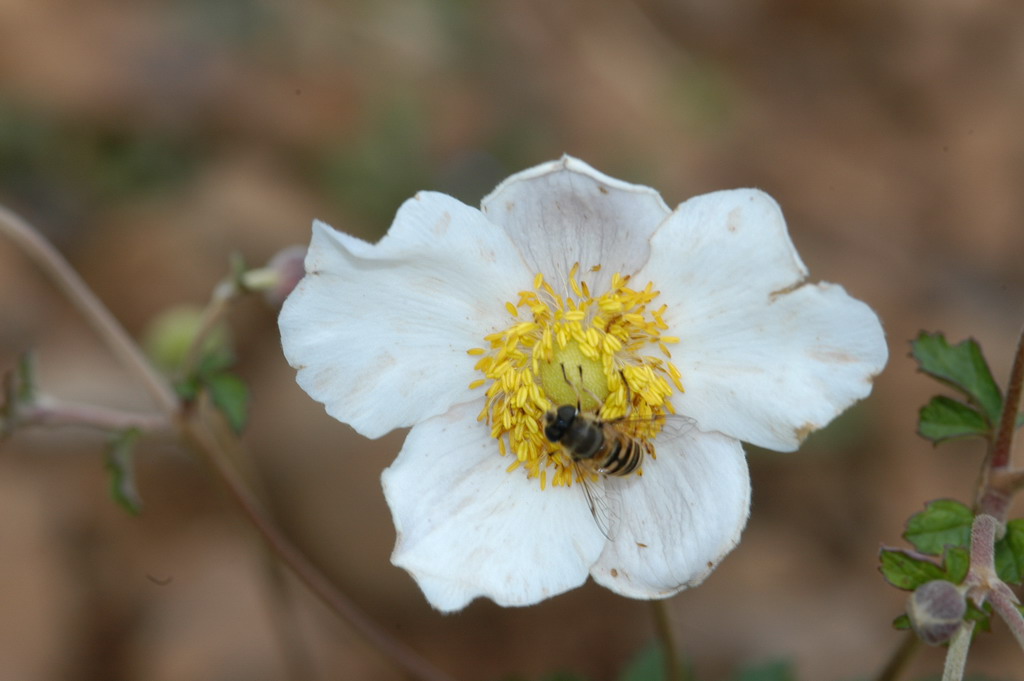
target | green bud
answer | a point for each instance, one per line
(169, 336)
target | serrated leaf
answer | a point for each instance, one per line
(942, 523)
(961, 366)
(906, 571)
(647, 665)
(231, 396)
(944, 419)
(1010, 553)
(957, 562)
(901, 622)
(120, 464)
(776, 670)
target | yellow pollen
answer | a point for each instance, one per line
(604, 354)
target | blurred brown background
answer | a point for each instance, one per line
(149, 140)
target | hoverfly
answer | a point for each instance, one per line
(599, 447)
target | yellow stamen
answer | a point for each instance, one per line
(577, 349)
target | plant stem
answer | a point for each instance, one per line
(900, 658)
(1003, 603)
(983, 550)
(996, 489)
(212, 315)
(196, 435)
(663, 628)
(81, 296)
(49, 412)
(956, 655)
(1011, 405)
(202, 442)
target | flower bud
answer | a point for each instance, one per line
(170, 335)
(279, 276)
(936, 610)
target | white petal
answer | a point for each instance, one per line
(564, 212)
(467, 528)
(679, 519)
(379, 333)
(765, 358)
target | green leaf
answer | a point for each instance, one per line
(215, 359)
(19, 390)
(647, 665)
(983, 615)
(1010, 553)
(957, 562)
(188, 389)
(230, 396)
(901, 622)
(776, 670)
(944, 419)
(25, 380)
(961, 366)
(121, 466)
(906, 571)
(942, 523)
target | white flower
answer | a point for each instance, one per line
(569, 287)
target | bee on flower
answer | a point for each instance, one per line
(541, 347)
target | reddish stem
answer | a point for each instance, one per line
(1008, 422)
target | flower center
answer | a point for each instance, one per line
(595, 353)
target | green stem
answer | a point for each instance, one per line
(663, 628)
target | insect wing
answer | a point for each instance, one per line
(669, 426)
(674, 425)
(603, 505)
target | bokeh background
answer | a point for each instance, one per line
(150, 140)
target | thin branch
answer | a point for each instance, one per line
(67, 280)
(322, 587)
(900, 658)
(48, 412)
(1011, 481)
(199, 439)
(1011, 406)
(212, 315)
(663, 628)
